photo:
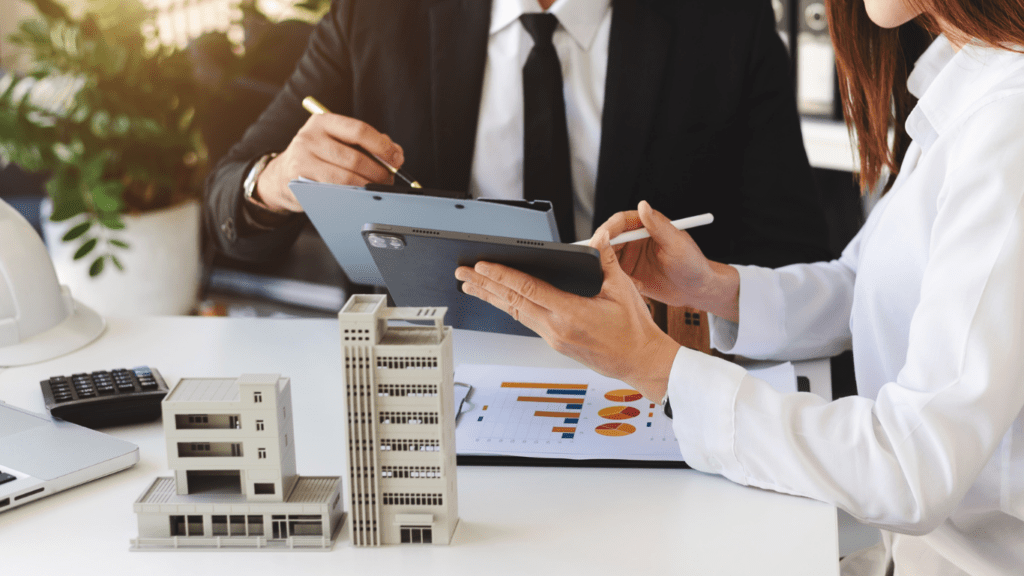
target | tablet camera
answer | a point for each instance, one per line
(388, 241)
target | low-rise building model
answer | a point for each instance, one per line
(231, 445)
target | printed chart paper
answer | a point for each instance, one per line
(568, 413)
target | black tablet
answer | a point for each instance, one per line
(418, 267)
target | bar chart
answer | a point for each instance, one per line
(561, 413)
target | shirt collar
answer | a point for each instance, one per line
(580, 18)
(948, 84)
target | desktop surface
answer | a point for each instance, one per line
(513, 520)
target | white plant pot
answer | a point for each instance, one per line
(161, 265)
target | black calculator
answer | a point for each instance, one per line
(106, 398)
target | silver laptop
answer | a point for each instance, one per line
(40, 455)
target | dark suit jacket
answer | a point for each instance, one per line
(699, 116)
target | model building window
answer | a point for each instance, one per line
(416, 535)
(220, 525)
(255, 525)
(206, 421)
(261, 453)
(257, 396)
(208, 449)
(238, 525)
(259, 425)
(305, 525)
(195, 525)
(263, 488)
(178, 526)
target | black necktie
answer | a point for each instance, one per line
(546, 168)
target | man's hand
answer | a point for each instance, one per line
(326, 149)
(612, 333)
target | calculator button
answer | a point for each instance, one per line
(105, 390)
(86, 393)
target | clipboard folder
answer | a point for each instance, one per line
(339, 212)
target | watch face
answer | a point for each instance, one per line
(249, 186)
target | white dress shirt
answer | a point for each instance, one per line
(581, 41)
(931, 295)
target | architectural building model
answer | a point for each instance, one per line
(400, 423)
(231, 445)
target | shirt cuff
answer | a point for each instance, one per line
(259, 219)
(759, 311)
(703, 390)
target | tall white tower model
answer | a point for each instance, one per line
(400, 423)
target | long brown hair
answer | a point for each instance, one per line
(873, 64)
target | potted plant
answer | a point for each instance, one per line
(110, 115)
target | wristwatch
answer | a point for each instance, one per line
(249, 185)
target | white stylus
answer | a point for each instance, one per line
(641, 233)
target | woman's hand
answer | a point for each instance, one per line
(670, 268)
(612, 333)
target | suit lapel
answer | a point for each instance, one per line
(458, 37)
(638, 49)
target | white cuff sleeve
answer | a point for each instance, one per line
(703, 391)
(760, 312)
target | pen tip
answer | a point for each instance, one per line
(415, 185)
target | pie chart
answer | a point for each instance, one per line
(618, 412)
(624, 395)
(615, 429)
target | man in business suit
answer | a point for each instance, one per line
(685, 103)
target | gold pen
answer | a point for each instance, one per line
(313, 106)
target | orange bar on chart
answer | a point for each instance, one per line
(563, 429)
(550, 399)
(537, 385)
(543, 414)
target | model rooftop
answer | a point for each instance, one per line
(215, 389)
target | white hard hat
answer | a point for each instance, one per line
(39, 319)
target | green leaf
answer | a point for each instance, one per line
(112, 221)
(77, 231)
(116, 262)
(63, 188)
(119, 243)
(85, 248)
(107, 197)
(96, 267)
(92, 169)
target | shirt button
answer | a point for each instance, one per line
(228, 228)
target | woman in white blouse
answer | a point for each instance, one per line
(930, 294)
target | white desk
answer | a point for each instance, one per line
(513, 520)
